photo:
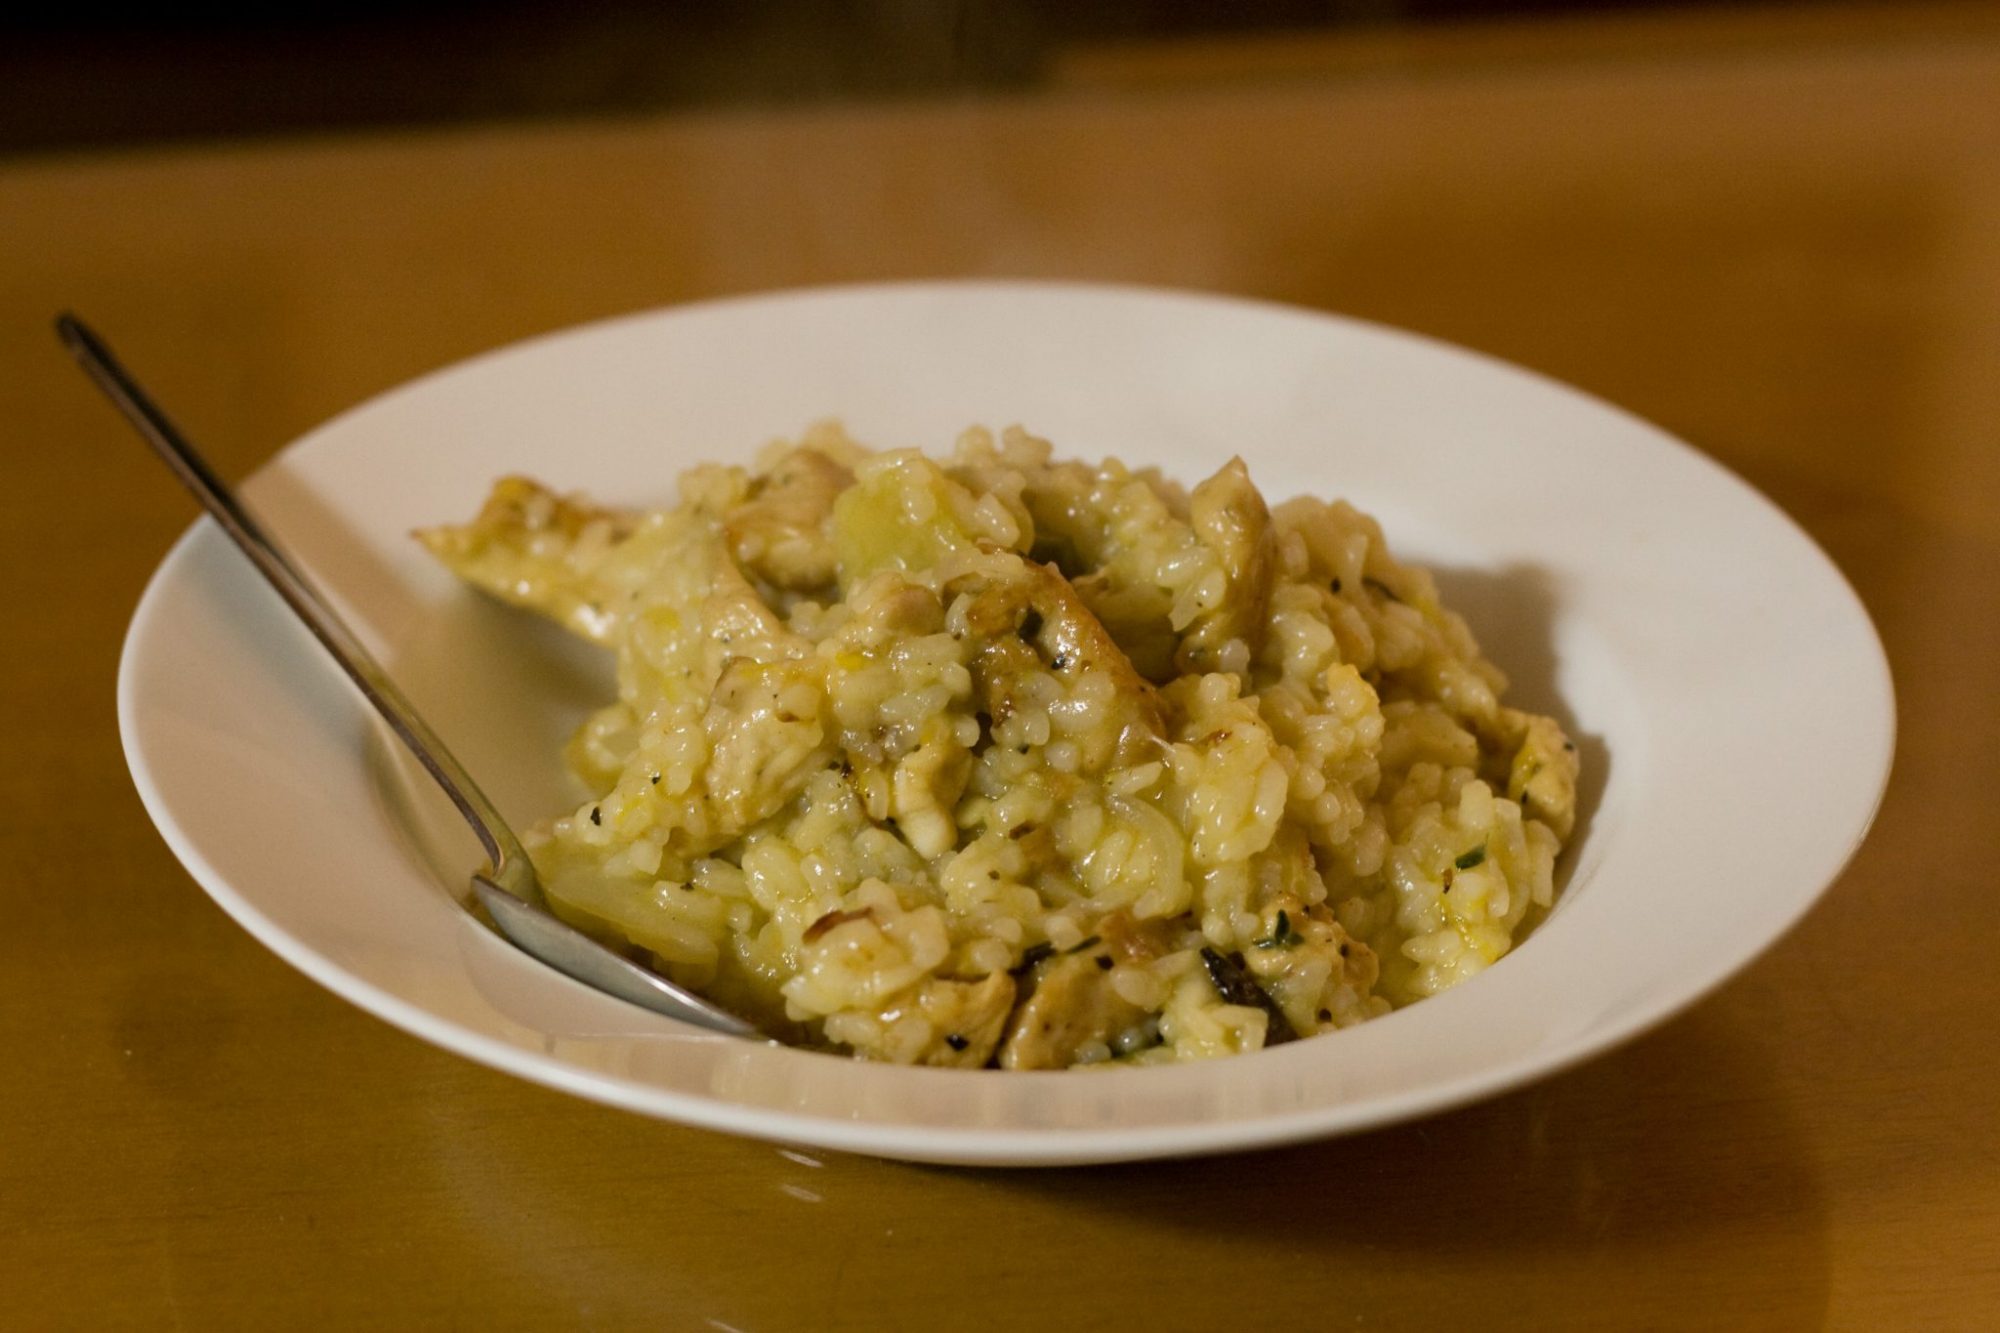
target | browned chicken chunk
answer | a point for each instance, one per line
(783, 533)
(537, 549)
(1072, 1005)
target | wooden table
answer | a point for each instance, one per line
(1789, 253)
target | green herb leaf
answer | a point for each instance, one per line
(1471, 858)
(1282, 935)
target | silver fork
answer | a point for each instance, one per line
(508, 888)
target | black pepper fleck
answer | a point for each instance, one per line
(956, 1042)
(596, 816)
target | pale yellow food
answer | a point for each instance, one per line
(1006, 760)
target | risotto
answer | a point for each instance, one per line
(1009, 761)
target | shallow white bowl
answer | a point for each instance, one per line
(1731, 700)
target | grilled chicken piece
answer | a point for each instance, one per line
(1037, 621)
(1230, 519)
(540, 550)
(893, 611)
(1072, 1005)
(783, 534)
(764, 736)
(738, 623)
(926, 786)
(967, 1018)
(1302, 955)
(961, 1023)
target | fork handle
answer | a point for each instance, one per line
(510, 863)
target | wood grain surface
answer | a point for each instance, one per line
(1788, 253)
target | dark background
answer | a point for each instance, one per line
(78, 77)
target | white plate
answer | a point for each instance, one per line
(1732, 701)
